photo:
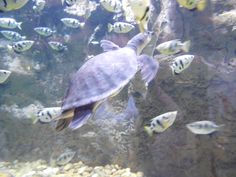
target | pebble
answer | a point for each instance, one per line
(68, 166)
(40, 168)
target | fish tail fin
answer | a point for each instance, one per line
(110, 27)
(19, 25)
(201, 5)
(141, 27)
(173, 70)
(220, 126)
(9, 48)
(186, 46)
(148, 130)
(82, 25)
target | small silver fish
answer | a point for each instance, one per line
(57, 46)
(72, 22)
(10, 23)
(44, 31)
(95, 42)
(112, 5)
(39, 5)
(203, 127)
(21, 46)
(12, 35)
(65, 157)
(120, 27)
(46, 115)
(92, 37)
(161, 123)
(181, 63)
(4, 74)
(173, 47)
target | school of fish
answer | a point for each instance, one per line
(133, 13)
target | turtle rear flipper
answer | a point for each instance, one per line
(108, 45)
(82, 114)
(148, 67)
(62, 124)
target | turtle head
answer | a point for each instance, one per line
(140, 41)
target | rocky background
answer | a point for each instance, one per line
(205, 91)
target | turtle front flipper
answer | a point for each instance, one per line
(108, 45)
(148, 67)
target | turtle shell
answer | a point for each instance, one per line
(101, 77)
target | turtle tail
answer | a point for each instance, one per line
(76, 119)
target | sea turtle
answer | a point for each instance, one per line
(104, 76)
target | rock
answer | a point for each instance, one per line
(81, 170)
(67, 167)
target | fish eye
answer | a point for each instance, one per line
(165, 118)
(152, 124)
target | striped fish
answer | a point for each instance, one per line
(10, 23)
(8, 5)
(120, 27)
(12, 35)
(21, 46)
(4, 74)
(181, 63)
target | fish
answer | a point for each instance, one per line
(120, 27)
(160, 123)
(93, 35)
(4, 74)
(72, 22)
(200, 5)
(128, 13)
(112, 5)
(46, 115)
(12, 35)
(57, 46)
(95, 42)
(181, 63)
(234, 28)
(173, 47)
(10, 23)
(203, 127)
(44, 31)
(142, 12)
(65, 157)
(39, 5)
(9, 5)
(21, 46)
